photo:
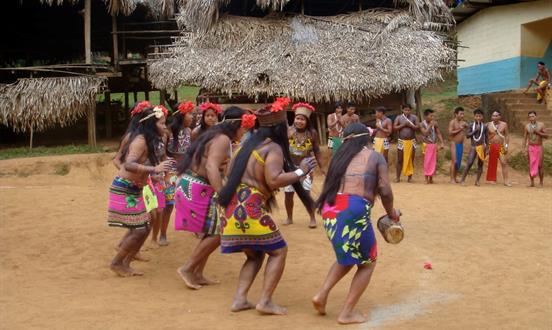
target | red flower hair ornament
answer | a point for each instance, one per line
(208, 105)
(248, 121)
(280, 104)
(186, 107)
(139, 107)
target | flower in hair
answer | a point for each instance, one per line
(139, 107)
(302, 105)
(248, 121)
(163, 109)
(280, 104)
(186, 107)
(208, 105)
(158, 112)
(285, 101)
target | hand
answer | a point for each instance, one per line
(308, 164)
(164, 166)
(396, 216)
(442, 146)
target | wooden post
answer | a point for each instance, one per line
(115, 42)
(146, 93)
(87, 42)
(127, 107)
(31, 138)
(135, 93)
(92, 125)
(418, 98)
(319, 126)
(162, 96)
(108, 116)
(176, 95)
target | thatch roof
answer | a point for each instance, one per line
(364, 54)
(45, 102)
(201, 15)
(157, 8)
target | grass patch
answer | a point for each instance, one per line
(520, 162)
(49, 151)
(62, 169)
(185, 93)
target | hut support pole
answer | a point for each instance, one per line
(176, 95)
(319, 126)
(92, 124)
(162, 96)
(418, 98)
(127, 107)
(115, 42)
(146, 95)
(87, 43)
(108, 116)
(31, 138)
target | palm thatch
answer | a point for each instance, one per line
(364, 54)
(156, 8)
(41, 103)
(201, 15)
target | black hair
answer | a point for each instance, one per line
(428, 111)
(532, 112)
(381, 109)
(279, 135)
(340, 161)
(350, 104)
(338, 105)
(197, 148)
(406, 105)
(541, 63)
(148, 129)
(457, 110)
(202, 125)
(477, 112)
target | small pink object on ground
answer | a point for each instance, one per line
(428, 265)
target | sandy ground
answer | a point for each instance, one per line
(489, 246)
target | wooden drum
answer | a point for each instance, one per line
(392, 232)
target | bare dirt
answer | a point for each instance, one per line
(489, 247)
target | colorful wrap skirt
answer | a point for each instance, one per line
(126, 206)
(246, 224)
(196, 206)
(170, 189)
(348, 227)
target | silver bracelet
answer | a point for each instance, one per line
(299, 172)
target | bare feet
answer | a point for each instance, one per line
(139, 257)
(202, 280)
(463, 183)
(188, 278)
(135, 272)
(312, 224)
(351, 318)
(491, 182)
(507, 184)
(397, 180)
(453, 182)
(163, 241)
(270, 308)
(319, 304)
(477, 183)
(241, 305)
(121, 270)
(287, 222)
(409, 179)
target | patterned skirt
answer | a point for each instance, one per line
(246, 224)
(126, 205)
(196, 206)
(348, 226)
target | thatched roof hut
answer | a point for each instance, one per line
(41, 103)
(349, 56)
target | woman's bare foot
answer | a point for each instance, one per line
(397, 180)
(491, 182)
(140, 257)
(477, 183)
(270, 308)
(202, 280)
(507, 184)
(163, 241)
(409, 180)
(121, 270)
(351, 318)
(188, 278)
(287, 222)
(312, 224)
(135, 272)
(319, 304)
(241, 305)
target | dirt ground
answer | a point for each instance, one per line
(489, 246)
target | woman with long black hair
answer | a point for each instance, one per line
(262, 165)
(357, 174)
(201, 171)
(126, 205)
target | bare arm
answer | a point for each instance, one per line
(195, 134)
(397, 124)
(274, 170)
(439, 135)
(384, 188)
(356, 118)
(218, 153)
(416, 123)
(332, 120)
(136, 151)
(543, 133)
(387, 127)
(453, 131)
(316, 149)
(506, 135)
(525, 137)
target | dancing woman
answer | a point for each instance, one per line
(126, 205)
(201, 170)
(357, 175)
(210, 116)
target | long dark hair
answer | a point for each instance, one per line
(175, 126)
(279, 135)
(197, 149)
(202, 125)
(340, 161)
(148, 129)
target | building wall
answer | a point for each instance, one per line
(503, 42)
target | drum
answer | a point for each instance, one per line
(392, 232)
(336, 143)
